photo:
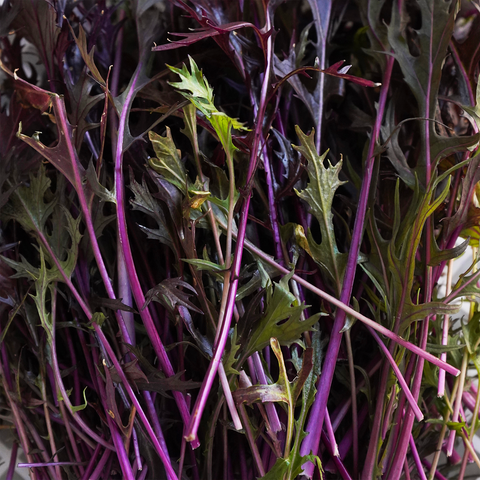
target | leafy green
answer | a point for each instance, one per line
(282, 318)
(324, 181)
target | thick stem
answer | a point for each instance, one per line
(315, 423)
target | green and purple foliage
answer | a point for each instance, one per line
(221, 247)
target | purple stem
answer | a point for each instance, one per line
(269, 406)
(100, 467)
(469, 401)
(127, 253)
(350, 311)
(272, 206)
(399, 415)
(48, 464)
(347, 440)
(437, 473)
(144, 473)
(64, 127)
(317, 415)
(416, 458)
(38, 440)
(406, 469)
(92, 463)
(338, 463)
(321, 11)
(251, 441)
(398, 374)
(120, 450)
(402, 446)
(191, 433)
(165, 459)
(331, 434)
(13, 461)
(124, 291)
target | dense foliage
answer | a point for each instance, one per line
(221, 247)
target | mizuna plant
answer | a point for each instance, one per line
(220, 249)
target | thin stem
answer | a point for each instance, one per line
(100, 466)
(403, 384)
(165, 459)
(13, 461)
(127, 252)
(353, 395)
(445, 332)
(251, 441)
(458, 401)
(416, 458)
(191, 433)
(350, 311)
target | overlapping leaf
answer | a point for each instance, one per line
(282, 318)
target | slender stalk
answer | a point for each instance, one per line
(458, 401)
(315, 423)
(331, 435)
(13, 461)
(353, 395)
(475, 413)
(350, 311)
(445, 331)
(416, 458)
(400, 378)
(127, 252)
(191, 433)
(165, 459)
(100, 469)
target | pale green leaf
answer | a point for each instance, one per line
(319, 195)
(168, 162)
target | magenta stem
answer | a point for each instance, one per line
(416, 458)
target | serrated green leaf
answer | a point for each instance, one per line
(413, 313)
(104, 193)
(168, 162)
(223, 125)
(196, 88)
(144, 202)
(203, 264)
(201, 93)
(319, 195)
(230, 359)
(281, 319)
(471, 333)
(438, 256)
(29, 206)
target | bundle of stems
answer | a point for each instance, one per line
(220, 248)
